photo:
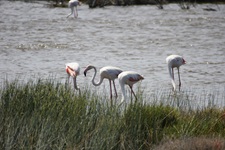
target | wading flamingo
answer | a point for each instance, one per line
(73, 70)
(73, 4)
(174, 61)
(129, 78)
(108, 72)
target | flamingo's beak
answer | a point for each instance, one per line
(85, 73)
(184, 62)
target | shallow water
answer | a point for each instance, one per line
(37, 41)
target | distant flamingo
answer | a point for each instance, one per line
(108, 72)
(73, 4)
(129, 78)
(175, 61)
(73, 70)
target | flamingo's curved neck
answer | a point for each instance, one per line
(171, 73)
(93, 78)
(75, 83)
(123, 92)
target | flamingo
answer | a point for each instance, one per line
(175, 61)
(73, 70)
(108, 72)
(71, 5)
(129, 78)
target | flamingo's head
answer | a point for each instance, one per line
(183, 61)
(176, 62)
(88, 68)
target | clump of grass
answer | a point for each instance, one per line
(44, 114)
(38, 114)
(207, 121)
(147, 122)
(47, 115)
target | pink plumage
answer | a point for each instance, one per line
(129, 78)
(73, 70)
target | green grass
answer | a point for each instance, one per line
(44, 114)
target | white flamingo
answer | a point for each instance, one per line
(73, 4)
(108, 72)
(129, 78)
(175, 61)
(73, 70)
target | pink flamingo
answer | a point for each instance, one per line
(175, 61)
(108, 72)
(129, 78)
(73, 4)
(73, 70)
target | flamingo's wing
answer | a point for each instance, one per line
(110, 72)
(135, 77)
(75, 67)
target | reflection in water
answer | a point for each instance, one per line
(37, 41)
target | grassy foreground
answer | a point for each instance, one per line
(45, 115)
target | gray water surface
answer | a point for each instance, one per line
(36, 41)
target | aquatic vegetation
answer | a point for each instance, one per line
(44, 114)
